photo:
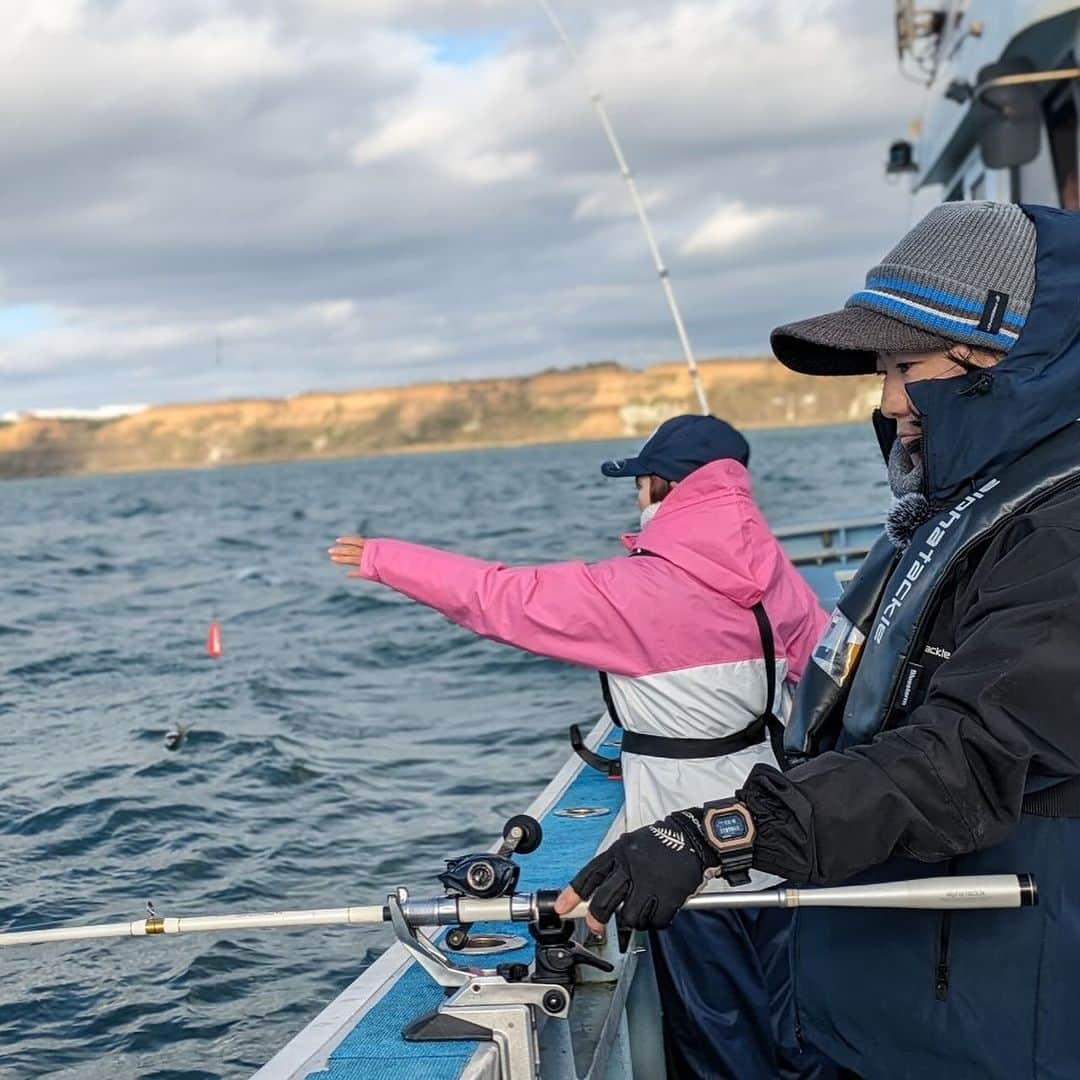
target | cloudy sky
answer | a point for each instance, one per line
(372, 192)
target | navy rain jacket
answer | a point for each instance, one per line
(969, 995)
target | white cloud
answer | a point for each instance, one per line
(306, 178)
(737, 225)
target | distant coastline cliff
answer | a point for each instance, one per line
(597, 401)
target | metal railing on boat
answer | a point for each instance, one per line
(827, 554)
(817, 543)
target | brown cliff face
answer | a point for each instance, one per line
(599, 401)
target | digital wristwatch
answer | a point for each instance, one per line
(729, 831)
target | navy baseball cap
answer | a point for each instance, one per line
(681, 445)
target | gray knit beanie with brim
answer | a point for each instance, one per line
(965, 273)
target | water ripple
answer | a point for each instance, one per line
(340, 723)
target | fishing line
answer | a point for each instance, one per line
(214, 647)
(213, 634)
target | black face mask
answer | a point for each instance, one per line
(885, 430)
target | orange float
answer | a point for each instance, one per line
(213, 641)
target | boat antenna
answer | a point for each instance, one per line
(639, 206)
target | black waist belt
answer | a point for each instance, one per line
(663, 747)
(660, 746)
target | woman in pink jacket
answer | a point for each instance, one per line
(683, 631)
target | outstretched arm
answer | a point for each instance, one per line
(571, 611)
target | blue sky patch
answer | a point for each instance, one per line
(466, 48)
(20, 319)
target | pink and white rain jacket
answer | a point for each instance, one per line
(676, 633)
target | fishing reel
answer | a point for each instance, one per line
(481, 876)
(489, 875)
(501, 1005)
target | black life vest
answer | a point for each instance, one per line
(863, 675)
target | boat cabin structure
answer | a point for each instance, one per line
(1001, 119)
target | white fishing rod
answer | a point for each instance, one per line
(943, 893)
(661, 270)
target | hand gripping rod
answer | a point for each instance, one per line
(943, 893)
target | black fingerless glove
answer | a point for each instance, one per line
(650, 871)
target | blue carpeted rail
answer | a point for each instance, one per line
(374, 1049)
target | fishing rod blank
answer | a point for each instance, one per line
(938, 894)
(639, 207)
(197, 924)
(943, 893)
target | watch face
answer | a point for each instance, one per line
(728, 827)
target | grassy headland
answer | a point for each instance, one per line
(597, 401)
